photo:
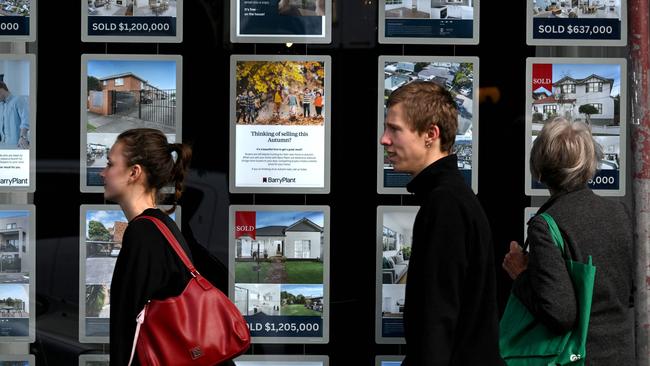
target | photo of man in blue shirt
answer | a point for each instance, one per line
(14, 119)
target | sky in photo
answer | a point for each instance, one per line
(581, 71)
(161, 74)
(287, 218)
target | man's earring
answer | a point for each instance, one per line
(427, 145)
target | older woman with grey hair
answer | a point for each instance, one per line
(565, 157)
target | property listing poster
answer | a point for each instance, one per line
(428, 21)
(389, 360)
(459, 75)
(101, 235)
(577, 22)
(18, 20)
(280, 257)
(394, 239)
(17, 360)
(121, 92)
(132, 20)
(529, 213)
(93, 360)
(589, 91)
(280, 124)
(17, 273)
(280, 21)
(17, 119)
(284, 360)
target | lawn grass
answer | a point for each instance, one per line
(298, 272)
(298, 310)
(90, 128)
(244, 272)
(304, 272)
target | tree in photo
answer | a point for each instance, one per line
(588, 110)
(15, 304)
(95, 297)
(98, 232)
(94, 84)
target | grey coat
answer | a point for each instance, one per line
(590, 225)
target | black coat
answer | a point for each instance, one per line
(590, 225)
(450, 316)
(146, 268)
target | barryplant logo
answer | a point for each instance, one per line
(278, 180)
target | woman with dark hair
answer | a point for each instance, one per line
(140, 164)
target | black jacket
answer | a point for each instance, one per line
(451, 309)
(590, 225)
(146, 268)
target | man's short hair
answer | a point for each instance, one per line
(426, 103)
(564, 156)
(3, 86)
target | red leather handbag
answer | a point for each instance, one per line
(199, 327)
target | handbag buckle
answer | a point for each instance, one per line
(196, 353)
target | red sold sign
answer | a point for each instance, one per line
(245, 224)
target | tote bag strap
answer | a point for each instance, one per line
(173, 242)
(555, 232)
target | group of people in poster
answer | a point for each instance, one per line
(286, 104)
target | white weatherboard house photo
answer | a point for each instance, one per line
(301, 240)
(570, 94)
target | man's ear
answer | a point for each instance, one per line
(433, 133)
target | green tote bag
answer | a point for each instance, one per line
(524, 341)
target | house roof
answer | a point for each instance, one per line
(436, 71)
(552, 100)
(118, 231)
(399, 76)
(270, 231)
(582, 81)
(305, 225)
(302, 225)
(124, 74)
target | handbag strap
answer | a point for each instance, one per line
(171, 239)
(555, 232)
(140, 320)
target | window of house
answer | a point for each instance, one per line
(550, 109)
(302, 248)
(10, 245)
(258, 246)
(394, 2)
(594, 87)
(568, 88)
(104, 83)
(598, 106)
(12, 226)
(246, 248)
(119, 81)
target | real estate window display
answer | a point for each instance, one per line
(335, 60)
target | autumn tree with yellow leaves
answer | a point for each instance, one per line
(265, 76)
